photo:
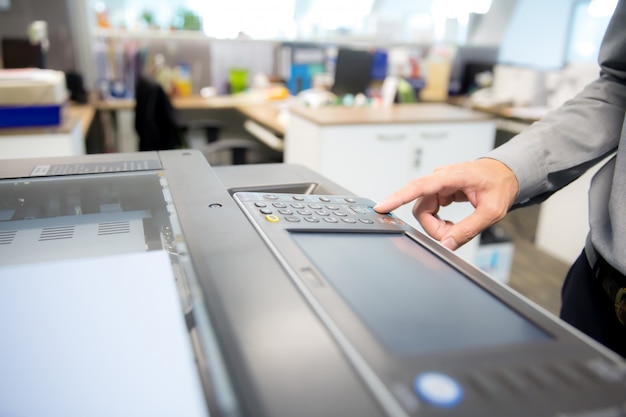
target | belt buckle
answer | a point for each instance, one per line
(620, 305)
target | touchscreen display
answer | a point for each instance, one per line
(412, 301)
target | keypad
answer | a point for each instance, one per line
(310, 211)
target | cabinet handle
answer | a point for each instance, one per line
(434, 135)
(398, 136)
(417, 162)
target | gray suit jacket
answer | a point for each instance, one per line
(569, 140)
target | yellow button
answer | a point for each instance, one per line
(271, 218)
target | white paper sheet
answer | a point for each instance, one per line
(95, 337)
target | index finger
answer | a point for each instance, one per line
(433, 183)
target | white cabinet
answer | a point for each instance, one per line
(367, 160)
(374, 159)
(442, 144)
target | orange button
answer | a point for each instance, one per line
(272, 218)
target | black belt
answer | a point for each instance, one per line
(614, 284)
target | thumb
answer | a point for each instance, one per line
(464, 231)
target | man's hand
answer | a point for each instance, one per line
(489, 185)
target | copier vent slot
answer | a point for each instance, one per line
(56, 233)
(6, 237)
(113, 228)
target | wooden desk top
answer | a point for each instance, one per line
(266, 115)
(522, 114)
(402, 113)
(71, 115)
(190, 103)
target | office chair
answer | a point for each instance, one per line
(159, 129)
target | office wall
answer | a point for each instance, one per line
(488, 29)
(537, 34)
(14, 23)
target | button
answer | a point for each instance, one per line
(285, 211)
(350, 200)
(348, 220)
(332, 207)
(366, 221)
(371, 208)
(272, 218)
(266, 211)
(304, 212)
(340, 213)
(279, 205)
(297, 205)
(292, 219)
(315, 206)
(270, 197)
(394, 221)
(322, 212)
(438, 389)
(260, 204)
(311, 219)
(298, 198)
(325, 199)
(330, 219)
(358, 210)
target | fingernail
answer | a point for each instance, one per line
(450, 243)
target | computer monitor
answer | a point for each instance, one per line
(353, 71)
(21, 53)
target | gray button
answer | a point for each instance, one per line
(322, 212)
(279, 205)
(297, 205)
(348, 220)
(266, 211)
(366, 221)
(304, 212)
(358, 210)
(330, 219)
(298, 198)
(340, 213)
(312, 219)
(350, 200)
(292, 219)
(260, 204)
(325, 199)
(285, 211)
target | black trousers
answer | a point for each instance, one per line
(587, 307)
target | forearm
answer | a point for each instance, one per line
(566, 142)
(569, 140)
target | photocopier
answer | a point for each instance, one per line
(151, 284)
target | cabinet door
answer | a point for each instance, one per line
(438, 144)
(442, 144)
(369, 160)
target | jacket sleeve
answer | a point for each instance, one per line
(569, 140)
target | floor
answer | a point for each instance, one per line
(534, 273)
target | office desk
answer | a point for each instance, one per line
(376, 151)
(255, 107)
(68, 139)
(508, 118)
